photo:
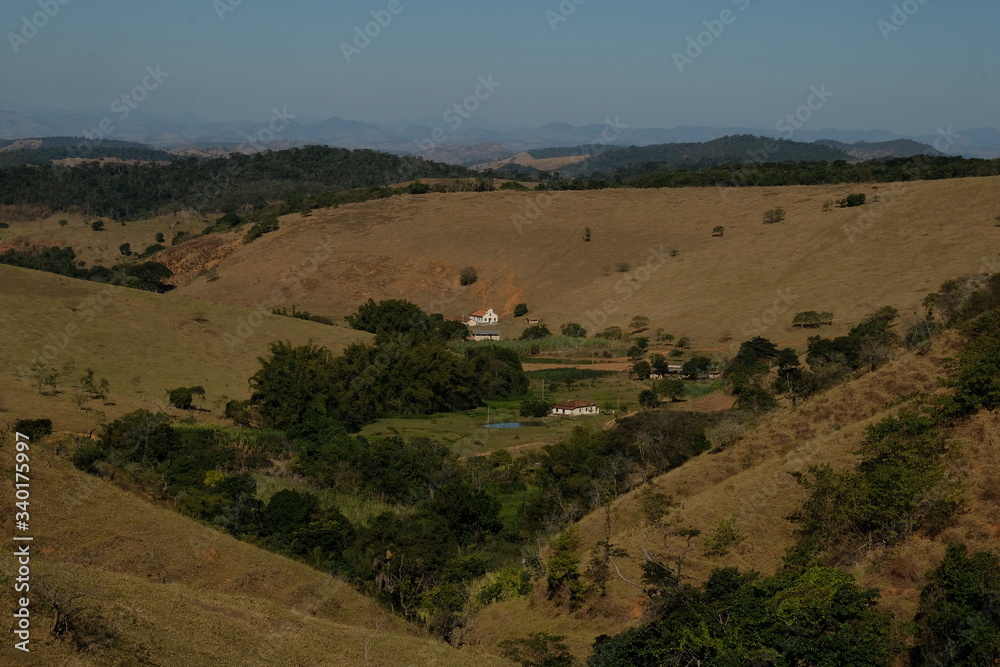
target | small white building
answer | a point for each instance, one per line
(483, 334)
(675, 369)
(483, 317)
(575, 409)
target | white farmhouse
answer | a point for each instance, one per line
(483, 317)
(575, 409)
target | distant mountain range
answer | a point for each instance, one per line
(467, 144)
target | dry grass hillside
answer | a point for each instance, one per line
(525, 160)
(528, 247)
(159, 589)
(751, 481)
(27, 228)
(142, 343)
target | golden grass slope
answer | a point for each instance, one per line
(143, 343)
(90, 246)
(752, 481)
(178, 593)
(528, 247)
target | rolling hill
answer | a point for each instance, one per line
(751, 481)
(142, 343)
(156, 588)
(528, 247)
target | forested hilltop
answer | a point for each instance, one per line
(738, 148)
(50, 150)
(310, 177)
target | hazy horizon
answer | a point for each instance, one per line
(908, 67)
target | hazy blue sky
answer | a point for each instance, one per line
(939, 68)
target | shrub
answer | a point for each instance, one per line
(612, 333)
(125, 249)
(535, 408)
(265, 226)
(853, 200)
(724, 537)
(648, 399)
(182, 398)
(623, 267)
(520, 309)
(718, 231)
(34, 428)
(774, 215)
(469, 276)
(97, 225)
(159, 237)
(536, 332)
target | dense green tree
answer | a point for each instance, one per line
(392, 315)
(499, 370)
(291, 381)
(642, 369)
(696, 367)
(648, 398)
(520, 309)
(536, 332)
(573, 330)
(182, 398)
(671, 389)
(287, 512)
(959, 606)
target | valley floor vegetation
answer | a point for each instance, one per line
(442, 537)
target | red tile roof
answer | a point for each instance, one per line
(573, 405)
(479, 313)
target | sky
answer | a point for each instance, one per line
(909, 67)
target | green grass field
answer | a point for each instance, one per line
(466, 433)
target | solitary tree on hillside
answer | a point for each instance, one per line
(639, 322)
(520, 309)
(718, 231)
